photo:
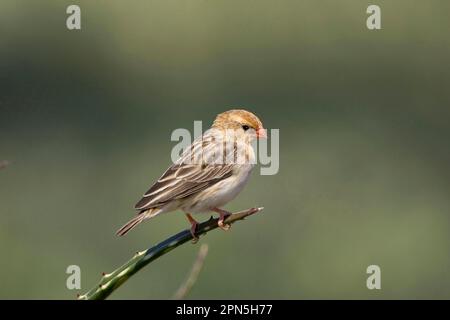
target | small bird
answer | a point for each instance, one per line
(211, 172)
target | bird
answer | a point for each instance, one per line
(211, 172)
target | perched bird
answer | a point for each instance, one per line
(211, 172)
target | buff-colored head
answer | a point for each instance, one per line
(240, 120)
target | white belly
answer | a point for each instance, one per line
(220, 193)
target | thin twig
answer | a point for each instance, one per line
(186, 287)
(111, 281)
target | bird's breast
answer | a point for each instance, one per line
(220, 193)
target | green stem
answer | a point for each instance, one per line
(111, 281)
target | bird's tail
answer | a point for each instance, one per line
(135, 221)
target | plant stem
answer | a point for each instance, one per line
(186, 287)
(111, 281)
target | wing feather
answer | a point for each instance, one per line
(185, 178)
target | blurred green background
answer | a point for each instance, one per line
(86, 118)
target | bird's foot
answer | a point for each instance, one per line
(222, 225)
(223, 215)
(193, 228)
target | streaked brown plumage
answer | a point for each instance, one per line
(207, 175)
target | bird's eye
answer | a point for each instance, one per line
(245, 127)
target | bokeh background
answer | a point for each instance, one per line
(86, 118)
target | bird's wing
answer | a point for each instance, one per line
(185, 178)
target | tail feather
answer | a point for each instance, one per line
(143, 215)
(131, 224)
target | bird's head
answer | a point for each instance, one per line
(242, 122)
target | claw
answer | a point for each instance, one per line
(223, 215)
(222, 225)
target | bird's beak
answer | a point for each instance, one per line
(261, 133)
